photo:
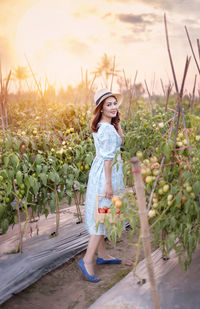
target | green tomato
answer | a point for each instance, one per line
(148, 179)
(169, 197)
(160, 191)
(155, 205)
(7, 200)
(189, 189)
(165, 188)
(152, 213)
(139, 154)
(87, 167)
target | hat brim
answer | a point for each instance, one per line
(117, 95)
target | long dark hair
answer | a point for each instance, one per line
(97, 117)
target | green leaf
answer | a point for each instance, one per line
(26, 180)
(46, 212)
(64, 168)
(171, 239)
(52, 176)
(11, 174)
(43, 178)
(173, 222)
(19, 177)
(6, 161)
(38, 160)
(4, 226)
(196, 187)
(52, 205)
(14, 159)
(38, 169)
(31, 181)
(178, 198)
(35, 186)
(167, 151)
(57, 178)
(45, 169)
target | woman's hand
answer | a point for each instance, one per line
(108, 191)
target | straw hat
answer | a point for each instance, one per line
(103, 94)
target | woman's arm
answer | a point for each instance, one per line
(108, 172)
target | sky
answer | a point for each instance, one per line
(61, 37)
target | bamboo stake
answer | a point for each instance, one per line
(193, 94)
(169, 89)
(57, 210)
(19, 249)
(179, 105)
(163, 89)
(77, 203)
(5, 99)
(169, 52)
(150, 102)
(141, 203)
(198, 46)
(195, 59)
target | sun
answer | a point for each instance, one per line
(38, 26)
(39, 36)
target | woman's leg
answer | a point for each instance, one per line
(90, 253)
(101, 250)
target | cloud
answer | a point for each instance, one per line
(140, 18)
(176, 6)
(141, 26)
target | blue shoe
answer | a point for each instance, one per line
(85, 273)
(100, 261)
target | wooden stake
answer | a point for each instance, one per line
(150, 101)
(19, 248)
(195, 59)
(57, 210)
(141, 203)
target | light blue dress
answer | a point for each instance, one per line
(107, 143)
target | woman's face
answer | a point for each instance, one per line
(110, 107)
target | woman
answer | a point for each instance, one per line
(104, 179)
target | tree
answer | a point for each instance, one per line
(106, 68)
(21, 74)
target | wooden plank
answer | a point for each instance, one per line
(40, 256)
(177, 289)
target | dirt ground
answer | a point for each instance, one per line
(66, 288)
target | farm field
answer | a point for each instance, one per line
(65, 287)
(43, 162)
(48, 89)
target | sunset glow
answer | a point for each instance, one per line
(61, 37)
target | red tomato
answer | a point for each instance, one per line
(117, 211)
(105, 208)
(102, 211)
